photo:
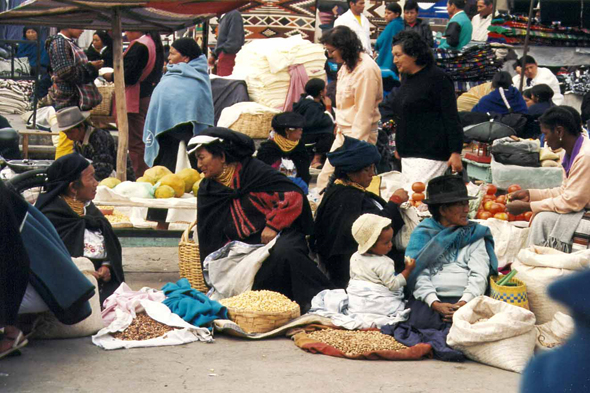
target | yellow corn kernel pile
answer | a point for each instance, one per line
(117, 218)
(357, 342)
(267, 301)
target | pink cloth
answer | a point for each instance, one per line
(297, 86)
(132, 92)
(126, 300)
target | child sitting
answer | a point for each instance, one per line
(371, 268)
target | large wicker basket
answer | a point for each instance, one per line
(105, 106)
(189, 261)
(262, 321)
(255, 126)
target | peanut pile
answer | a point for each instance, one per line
(117, 218)
(265, 301)
(357, 342)
(143, 328)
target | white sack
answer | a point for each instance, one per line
(554, 333)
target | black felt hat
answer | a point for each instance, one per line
(446, 189)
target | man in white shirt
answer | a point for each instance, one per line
(535, 75)
(482, 20)
(357, 22)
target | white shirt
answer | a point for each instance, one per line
(480, 27)
(376, 269)
(363, 31)
(544, 76)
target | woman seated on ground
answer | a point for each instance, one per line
(37, 273)
(346, 199)
(101, 48)
(243, 199)
(454, 258)
(94, 144)
(181, 105)
(558, 219)
(504, 99)
(285, 151)
(316, 107)
(67, 203)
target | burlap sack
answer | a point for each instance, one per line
(494, 333)
(538, 267)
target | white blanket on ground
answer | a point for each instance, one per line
(186, 333)
(366, 305)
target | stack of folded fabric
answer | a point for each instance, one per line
(15, 96)
(265, 65)
(473, 65)
(509, 29)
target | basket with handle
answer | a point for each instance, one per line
(189, 260)
(105, 106)
(256, 126)
(515, 295)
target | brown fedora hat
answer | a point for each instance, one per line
(69, 118)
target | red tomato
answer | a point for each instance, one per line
(488, 198)
(513, 188)
(501, 216)
(484, 215)
(528, 216)
(501, 199)
(418, 196)
(488, 205)
(520, 217)
(497, 208)
(511, 217)
(492, 189)
(418, 187)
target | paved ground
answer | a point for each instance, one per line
(229, 364)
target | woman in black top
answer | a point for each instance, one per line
(101, 48)
(429, 137)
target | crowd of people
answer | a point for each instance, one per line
(259, 196)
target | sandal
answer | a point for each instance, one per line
(19, 342)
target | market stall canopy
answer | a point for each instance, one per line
(135, 15)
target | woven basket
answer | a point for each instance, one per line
(262, 321)
(255, 126)
(104, 108)
(516, 296)
(189, 261)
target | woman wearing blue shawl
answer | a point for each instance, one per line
(181, 105)
(454, 258)
(29, 50)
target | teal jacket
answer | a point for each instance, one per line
(458, 32)
(383, 44)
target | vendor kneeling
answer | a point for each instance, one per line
(558, 220)
(92, 143)
(454, 258)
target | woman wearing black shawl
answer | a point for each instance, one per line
(67, 203)
(285, 151)
(243, 199)
(345, 201)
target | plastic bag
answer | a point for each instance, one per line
(411, 221)
(528, 178)
(135, 190)
(494, 333)
(516, 152)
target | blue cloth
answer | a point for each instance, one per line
(494, 103)
(182, 96)
(30, 52)
(299, 181)
(54, 276)
(192, 305)
(463, 20)
(433, 245)
(383, 44)
(565, 369)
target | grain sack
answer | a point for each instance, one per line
(554, 333)
(540, 266)
(494, 333)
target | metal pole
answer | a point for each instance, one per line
(206, 38)
(526, 44)
(37, 80)
(121, 102)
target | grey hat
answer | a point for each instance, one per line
(69, 118)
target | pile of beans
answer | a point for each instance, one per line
(356, 342)
(143, 328)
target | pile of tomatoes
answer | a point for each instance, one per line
(418, 195)
(493, 206)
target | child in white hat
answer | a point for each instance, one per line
(370, 263)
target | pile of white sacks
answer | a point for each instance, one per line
(264, 65)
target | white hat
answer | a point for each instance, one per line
(366, 230)
(200, 140)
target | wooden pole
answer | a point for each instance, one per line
(526, 44)
(121, 102)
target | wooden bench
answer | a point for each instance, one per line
(26, 134)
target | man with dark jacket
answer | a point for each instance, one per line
(413, 23)
(230, 40)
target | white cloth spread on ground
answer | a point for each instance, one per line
(185, 333)
(230, 270)
(127, 300)
(366, 305)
